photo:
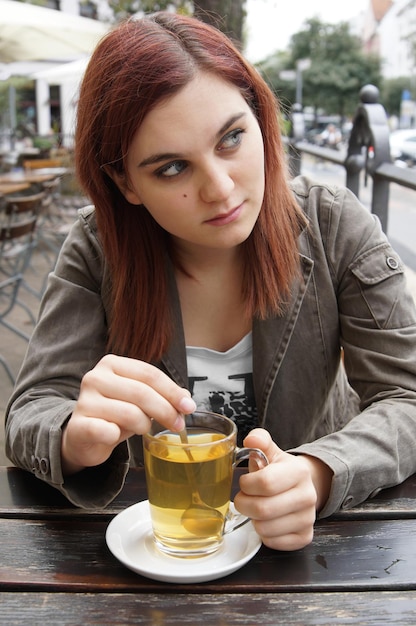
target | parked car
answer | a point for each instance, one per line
(403, 146)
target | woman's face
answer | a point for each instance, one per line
(197, 164)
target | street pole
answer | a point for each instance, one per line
(301, 66)
(12, 115)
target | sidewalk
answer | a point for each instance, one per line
(13, 348)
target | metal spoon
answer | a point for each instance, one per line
(200, 519)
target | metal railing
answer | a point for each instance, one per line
(368, 150)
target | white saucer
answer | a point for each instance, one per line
(129, 537)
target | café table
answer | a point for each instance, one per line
(56, 568)
(33, 176)
(6, 188)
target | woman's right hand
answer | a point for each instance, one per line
(118, 398)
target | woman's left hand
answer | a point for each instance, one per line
(282, 498)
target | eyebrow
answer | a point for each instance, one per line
(168, 156)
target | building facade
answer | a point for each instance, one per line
(397, 32)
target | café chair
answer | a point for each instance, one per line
(55, 221)
(16, 246)
(16, 206)
(16, 209)
(8, 370)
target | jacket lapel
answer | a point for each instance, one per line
(174, 361)
(271, 338)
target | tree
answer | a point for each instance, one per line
(227, 15)
(123, 8)
(338, 68)
(274, 69)
(24, 96)
(392, 92)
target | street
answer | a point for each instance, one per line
(402, 205)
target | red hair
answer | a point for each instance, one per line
(134, 67)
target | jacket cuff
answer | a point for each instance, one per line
(92, 488)
(339, 496)
(96, 487)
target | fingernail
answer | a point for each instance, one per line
(187, 405)
(179, 424)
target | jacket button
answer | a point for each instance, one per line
(44, 466)
(392, 262)
(347, 502)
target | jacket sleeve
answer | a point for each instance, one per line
(69, 339)
(377, 321)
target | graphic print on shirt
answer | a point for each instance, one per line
(234, 399)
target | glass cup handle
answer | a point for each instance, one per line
(250, 454)
(235, 520)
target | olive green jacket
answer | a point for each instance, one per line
(359, 418)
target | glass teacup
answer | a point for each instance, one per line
(189, 483)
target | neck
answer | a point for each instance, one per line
(199, 262)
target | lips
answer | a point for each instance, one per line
(226, 218)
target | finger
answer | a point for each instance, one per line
(287, 532)
(288, 542)
(153, 378)
(279, 526)
(86, 431)
(287, 473)
(274, 498)
(88, 442)
(127, 409)
(142, 390)
(260, 438)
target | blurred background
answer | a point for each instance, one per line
(317, 53)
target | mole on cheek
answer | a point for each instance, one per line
(184, 195)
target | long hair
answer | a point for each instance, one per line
(134, 67)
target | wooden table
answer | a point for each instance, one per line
(6, 188)
(55, 568)
(33, 176)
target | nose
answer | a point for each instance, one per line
(216, 182)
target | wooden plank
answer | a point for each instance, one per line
(36, 164)
(22, 494)
(33, 176)
(345, 555)
(6, 188)
(306, 609)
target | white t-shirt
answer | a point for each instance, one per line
(223, 382)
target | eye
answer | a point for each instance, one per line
(231, 139)
(171, 169)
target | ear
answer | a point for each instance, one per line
(120, 180)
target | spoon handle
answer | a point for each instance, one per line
(183, 435)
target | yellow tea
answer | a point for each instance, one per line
(189, 487)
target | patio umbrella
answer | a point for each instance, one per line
(64, 72)
(32, 33)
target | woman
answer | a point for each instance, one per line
(203, 277)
